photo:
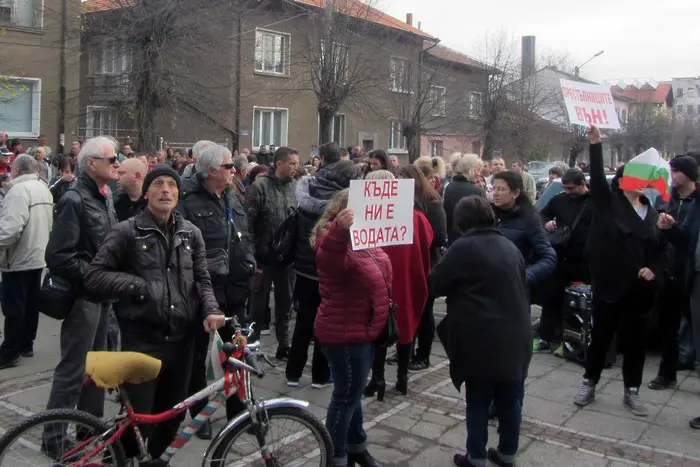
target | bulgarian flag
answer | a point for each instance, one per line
(216, 357)
(648, 169)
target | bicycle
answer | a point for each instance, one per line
(98, 442)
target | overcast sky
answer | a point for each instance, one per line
(642, 39)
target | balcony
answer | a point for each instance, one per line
(110, 87)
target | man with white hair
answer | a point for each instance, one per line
(240, 164)
(197, 149)
(85, 215)
(26, 218)
(210, 202)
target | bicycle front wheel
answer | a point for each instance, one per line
(293, 436)
(58, 437)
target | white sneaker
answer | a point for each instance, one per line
(293, 383)
(265, 332)
(320, 385)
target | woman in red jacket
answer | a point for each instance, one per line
(409, 286)
(353, 312)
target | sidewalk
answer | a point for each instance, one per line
(427, 427)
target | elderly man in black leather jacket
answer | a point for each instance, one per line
(84, 216)
(156, 264)
(210, 202)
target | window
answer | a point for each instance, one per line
(100, 121)
(690, 109)
(437, 101)
(269, 127)
(398, 72)
(396, 138)
(476, 147)
(337, 130)
(20, 106)
(271, 52)
(25, 13)
(679, 92)
(338, 59)
(475, 105)
(112, 57)
(623, 115)
(436, 148)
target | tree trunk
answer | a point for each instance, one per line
(487, 154)
(413, 141)
(325, 120)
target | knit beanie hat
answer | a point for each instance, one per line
(687, 165)
(157, 171)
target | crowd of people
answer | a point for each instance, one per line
(161, 248)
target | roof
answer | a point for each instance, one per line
(361, 10)
(349, 7)
(566, 74)
(644, 93)
(451, 55)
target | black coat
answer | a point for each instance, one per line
(210, 214)
(620, 243)
(456, 189)
(84, 216)
(313, 194)
(564, 209)
(522, 227)
(483, 277)
(125, 207)
(435, 213)
(160, 279)
(685, 237)
(678, 208)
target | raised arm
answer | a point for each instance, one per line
(600, 190)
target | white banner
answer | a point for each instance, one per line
(589, 104)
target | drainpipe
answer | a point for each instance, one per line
(236, 138)
(62, 75)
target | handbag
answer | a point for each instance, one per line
(285, 238)
(57, 296)
(559, 239)
(390, 333)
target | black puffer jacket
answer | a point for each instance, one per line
(204, 209)
(313, 194)
(457, 188)
(268, 202)
(161, 280)
(678, 208)
(84, 216)
(124, 207)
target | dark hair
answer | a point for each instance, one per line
(381, 155)
(189, 152)
(66, 162)
(557, 171)
(615, 182)
(515, 182)
(424, 193)
(252, 158)
(574, 176)
(14, 142)
(343, 152)
(520, 163)
(260, 168)
(329, 152)
(283, 153)
(473, 212)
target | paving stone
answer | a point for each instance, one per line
(547, 411)
(607, 425)
(434, 456)
(690, 384)
(686, 441)
(540, 454)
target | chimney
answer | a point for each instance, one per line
(528, 56)
(419, 25)
(409, 19)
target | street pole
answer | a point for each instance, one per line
(577, 69)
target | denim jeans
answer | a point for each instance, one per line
(506, 397)
(350, 365)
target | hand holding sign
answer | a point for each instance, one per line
(345, 219)
(594, 134)
(383, 212)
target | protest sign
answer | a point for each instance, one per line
(589, 104)
(383, 212)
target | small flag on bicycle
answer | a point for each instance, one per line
(216, 357)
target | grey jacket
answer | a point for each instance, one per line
(268, 202)
(26, 219)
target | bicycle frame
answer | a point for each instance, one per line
(236, 382)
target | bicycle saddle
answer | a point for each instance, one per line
(108, 370)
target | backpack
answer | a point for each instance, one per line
(285, 238)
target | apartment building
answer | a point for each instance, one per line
(686, 93)
(38, 89)
(259, 85)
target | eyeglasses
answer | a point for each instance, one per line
(227, 166)
(111, 160)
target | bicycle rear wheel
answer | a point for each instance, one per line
(294, 437)
(46, 438)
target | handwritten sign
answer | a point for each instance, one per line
(383, 212)
(589, 104)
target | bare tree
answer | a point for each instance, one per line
(647, 126)
(168, 59)
(685, 133)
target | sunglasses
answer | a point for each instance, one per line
(111, 160)
(227, 166)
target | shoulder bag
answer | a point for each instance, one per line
(284, 239)
(390, 333)
(562, 234)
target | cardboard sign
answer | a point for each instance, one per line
(383, 212)
(589, 104)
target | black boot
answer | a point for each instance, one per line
(363, 459)
(403, 352)
(377, 384)
(204, 431)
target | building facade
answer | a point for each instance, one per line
(39, 85)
